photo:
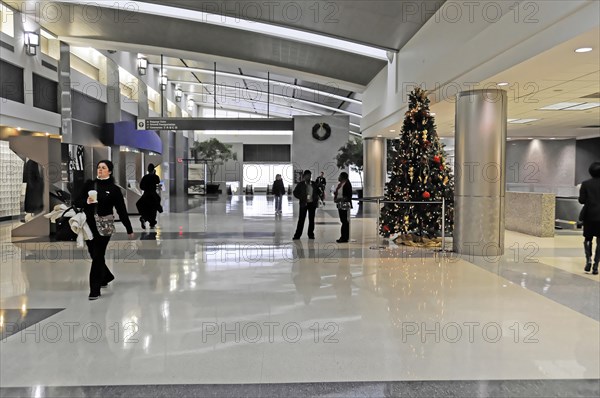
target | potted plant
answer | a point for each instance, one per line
(350, 156)
(214, 153)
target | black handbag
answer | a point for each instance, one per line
(64, 233)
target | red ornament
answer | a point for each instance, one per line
(386, 228)
(437, 159)
(441, 167)
(426, 195)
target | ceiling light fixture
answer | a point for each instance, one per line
(559, 106)
(178, 94)
(502, 84)
(583, 50)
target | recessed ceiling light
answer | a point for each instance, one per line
(503, 84)
(560, 105)
(522, 121)
(509, 138)
(583, 50)
(392, 131)
(552, 138)
(379, 136)
(582, 107)
(529, 138)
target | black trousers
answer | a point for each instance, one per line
(99, 273)
(311, 210)
(345, 230)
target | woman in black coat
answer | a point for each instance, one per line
(149, 204)
(589, 196)
(109, 197)
(343, 199)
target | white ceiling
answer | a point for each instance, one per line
(557, 75)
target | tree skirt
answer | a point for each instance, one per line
(417, 241)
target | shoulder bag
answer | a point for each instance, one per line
(104, 224)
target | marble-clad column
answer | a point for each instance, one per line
(479, 172)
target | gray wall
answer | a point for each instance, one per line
(311, 154)
(541, 162)
(588, 151)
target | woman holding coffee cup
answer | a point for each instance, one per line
(98, 199)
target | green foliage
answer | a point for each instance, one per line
(351, 156)
(214, 152)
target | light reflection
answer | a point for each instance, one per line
(147, 343)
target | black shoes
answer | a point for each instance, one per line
(94, 296)
(311, 237)
(105, 284)
(143, 223)
(296, 238)
(342, 240)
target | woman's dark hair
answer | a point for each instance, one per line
(344, 176)
(108, 164)
(150, 168)
(110, 167)
(595, 170)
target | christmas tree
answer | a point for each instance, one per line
(418, 173)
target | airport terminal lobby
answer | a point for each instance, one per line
(466, 131)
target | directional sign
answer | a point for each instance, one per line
(197, 123)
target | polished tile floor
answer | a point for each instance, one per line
(219, 301)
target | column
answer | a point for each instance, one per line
(375, 170)
(479, 171)
(64, 93)
(113, 115)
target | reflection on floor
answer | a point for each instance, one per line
(219, 294)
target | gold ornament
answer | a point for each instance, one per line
(411, 173)
(445, 180)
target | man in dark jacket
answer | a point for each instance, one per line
(308, 193)
(589, 196)
(278, 192)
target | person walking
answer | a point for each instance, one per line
(149, 204)
(307, 193)
(589, 196)
(343, 199)
(322, 183)
(278, 191)
(98, 199)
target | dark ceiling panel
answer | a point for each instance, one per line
(144, 29)
(381, 23)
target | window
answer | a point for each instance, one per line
(260, 175)
(7, 20)
(11, 82)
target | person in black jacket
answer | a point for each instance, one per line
(589, 196)
(307, 192)
(343, 199)
(278, 191)
(322, 183)
(149, 204)
(109, 196)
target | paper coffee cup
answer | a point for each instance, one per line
(94, 195)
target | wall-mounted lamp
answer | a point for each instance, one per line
(164, 80)
(32, 41)
(178, 94)
(142, 64)
(190, 105)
